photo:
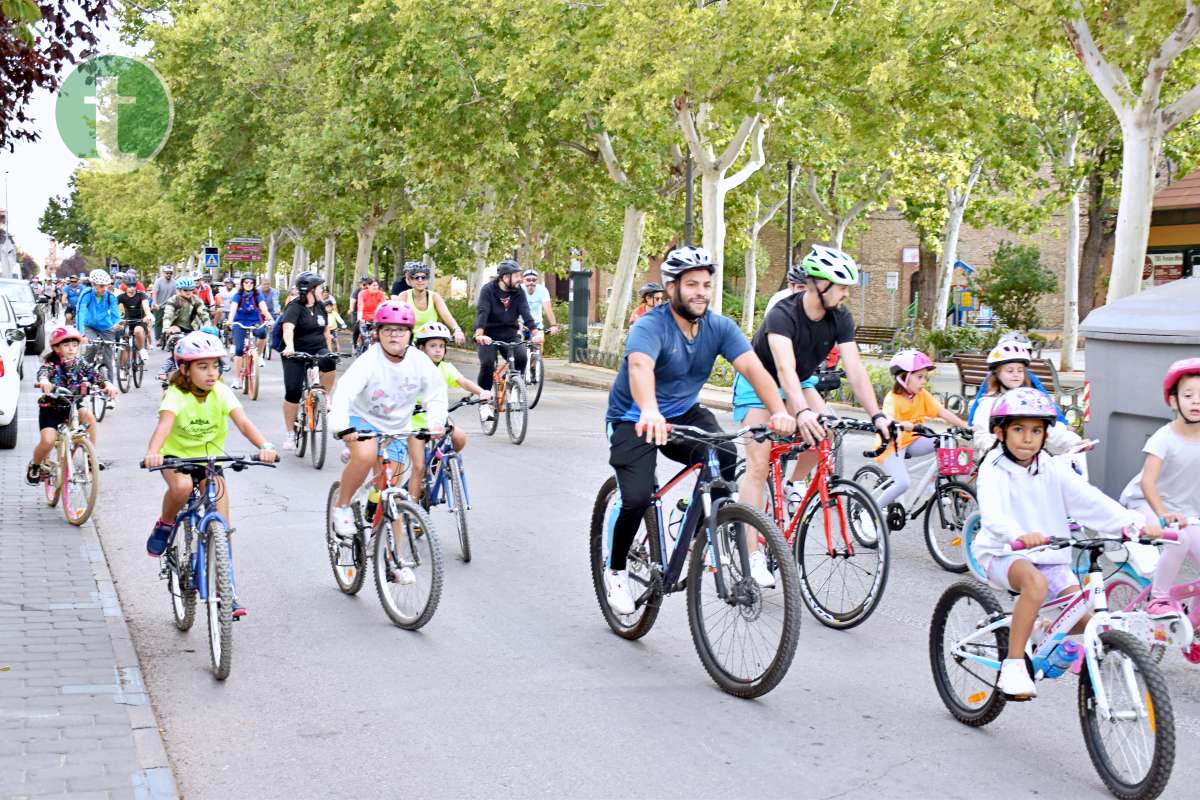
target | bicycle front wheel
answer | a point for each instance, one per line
(841, 579)
(516, 410)
(536, 381)
(52, 479)
(347, 558)
(458, 495)
(488, 425)
(80, 482)
(644, 554)
(945, 518)
(1132, 743)
(180, 581)
(251, 383)
(138, 371)
(99, 401)
(408, 565)
(320, 423)
(219, 588)
(301, 432)
(124, 370)
(966, 686)
(747, 639)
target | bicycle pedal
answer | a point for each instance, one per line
(1018, 698)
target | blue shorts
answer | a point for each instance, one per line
(745, 398)
(239, 337)
(397, 450)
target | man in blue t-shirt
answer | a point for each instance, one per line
(668, 356)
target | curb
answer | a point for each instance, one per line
(155, 780)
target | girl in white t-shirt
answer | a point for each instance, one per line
(1167, 490)
(1008, 368)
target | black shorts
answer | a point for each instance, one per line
(51, 415)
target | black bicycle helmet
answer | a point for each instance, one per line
(507, 267)
(650, 288)
(307, 281)
(796, 274)
(247, 276)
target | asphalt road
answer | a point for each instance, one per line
(516, 688)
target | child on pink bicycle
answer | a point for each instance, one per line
(1026, 495)
(1167, 490)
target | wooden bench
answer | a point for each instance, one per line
(973, 371)
(882, 338)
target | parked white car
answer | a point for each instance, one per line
(12, 351)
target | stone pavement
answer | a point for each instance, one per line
(75, 718)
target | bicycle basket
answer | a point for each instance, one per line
(955, 460)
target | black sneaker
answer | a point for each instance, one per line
(33, 474)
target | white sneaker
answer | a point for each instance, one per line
(758, 569)
(289, 443)
(343, 521)
(616, 590)
(1015, 680)
(793, 496)
(144, 353)
(486, 412)
(235, 384)
(405, 576)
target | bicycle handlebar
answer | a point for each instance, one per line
(237, 463)
(311, 359)
(231, 323)
(1170, 536)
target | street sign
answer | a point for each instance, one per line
(893, 281)
(212, 258)
(243, 248)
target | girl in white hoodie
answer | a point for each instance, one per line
(1026, 495)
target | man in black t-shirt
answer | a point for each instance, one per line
(795, 337)
(134, 307)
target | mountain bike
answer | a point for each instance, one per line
(509, 395)
(311, 420)
(744, 634)
(130, 366)
(250, 355)
(842, 553)
(71, 472)
(1124, 708)
(198, 561)
(100, 354)
(534, 375)
(365, 331)
(445, 480)
(407, 555)
(945, 507)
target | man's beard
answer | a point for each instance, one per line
(682, 310)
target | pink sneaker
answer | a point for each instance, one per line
(1161, 606)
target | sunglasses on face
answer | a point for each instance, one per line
(419, 278)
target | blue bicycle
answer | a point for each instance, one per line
(199, 545)
(445, 480)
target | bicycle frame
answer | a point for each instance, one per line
(670, 568)
(1090, 597)
(439, 453)
(200, 512)
(818, 485)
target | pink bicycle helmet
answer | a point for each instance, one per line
(1176, 372)
(910, 361)
(1009, 352)
(393, 312)
(197, 345)
(64, 333)
(1023, 403)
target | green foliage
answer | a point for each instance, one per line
(64, 220)
(955, 339)
(1014, 283)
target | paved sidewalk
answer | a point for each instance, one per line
(75, 719)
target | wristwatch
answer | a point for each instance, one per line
(267, 446)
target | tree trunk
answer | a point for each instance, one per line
(272, 255)
(1071, 266)
(959, 197)
(926, 281)
(1094, 242)
(1139, 154)
(366, 242)
(712, 215)
(618, 304)
(431, 240)
(328, 259)
(751, 293)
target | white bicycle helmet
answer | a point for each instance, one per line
(830, 264)
(1009, 352)
(99, 277)
(433, 330)
(686, 259)
(197, 345)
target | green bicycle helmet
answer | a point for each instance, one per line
(830, 264)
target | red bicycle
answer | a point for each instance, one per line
(837, 533)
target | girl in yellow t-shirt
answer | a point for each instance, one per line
(193, 420)
(909, 404)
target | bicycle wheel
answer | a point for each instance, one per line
(52, 480)
(535, 378)
(516, 410)
(320, 424)
(124, 370)
(139, 369)
(945, 516)
(347, 559)
(1132, 743)
(219, 587)
(408, 565)
(746, 640)
(644, 554)
(180, 581)
(841, 579)
(98, 401)
(81, 481)
(1122, 590)
(967, 687)
(869, 477)
(251, 382)
(301, 431)
(458, 495)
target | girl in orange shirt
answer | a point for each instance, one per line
(909, 404)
